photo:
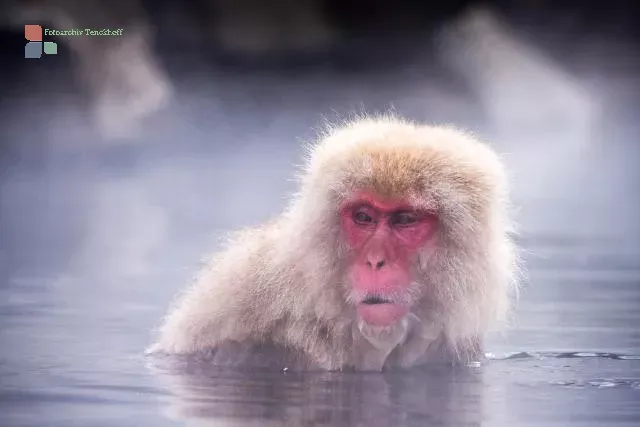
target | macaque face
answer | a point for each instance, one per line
(384, 237)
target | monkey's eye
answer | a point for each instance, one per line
(404, 219)
(360, 217)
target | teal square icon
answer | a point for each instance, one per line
(50, 48)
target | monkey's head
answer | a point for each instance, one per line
(414, 217)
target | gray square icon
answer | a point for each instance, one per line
(33, 50)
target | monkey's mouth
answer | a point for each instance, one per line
(374, 300)
(379, 311)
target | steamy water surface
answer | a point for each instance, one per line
(94, 246)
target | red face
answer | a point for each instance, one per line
(385, 237)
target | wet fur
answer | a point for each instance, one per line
(282, 285)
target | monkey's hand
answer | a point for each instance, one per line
(420, 335)
(372, 344)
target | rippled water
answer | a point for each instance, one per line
(94, 246)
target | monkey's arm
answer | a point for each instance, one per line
(223, 304)
(258, 355)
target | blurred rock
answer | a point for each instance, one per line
(507, 75)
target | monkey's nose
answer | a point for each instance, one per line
(378, 264)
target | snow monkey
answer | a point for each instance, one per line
(395, 252)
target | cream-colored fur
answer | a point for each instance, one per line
(283, 284)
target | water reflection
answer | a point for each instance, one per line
(437, 396)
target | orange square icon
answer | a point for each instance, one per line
(33, 33)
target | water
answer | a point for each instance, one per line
(97, 240)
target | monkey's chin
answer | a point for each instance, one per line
(382, 314)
